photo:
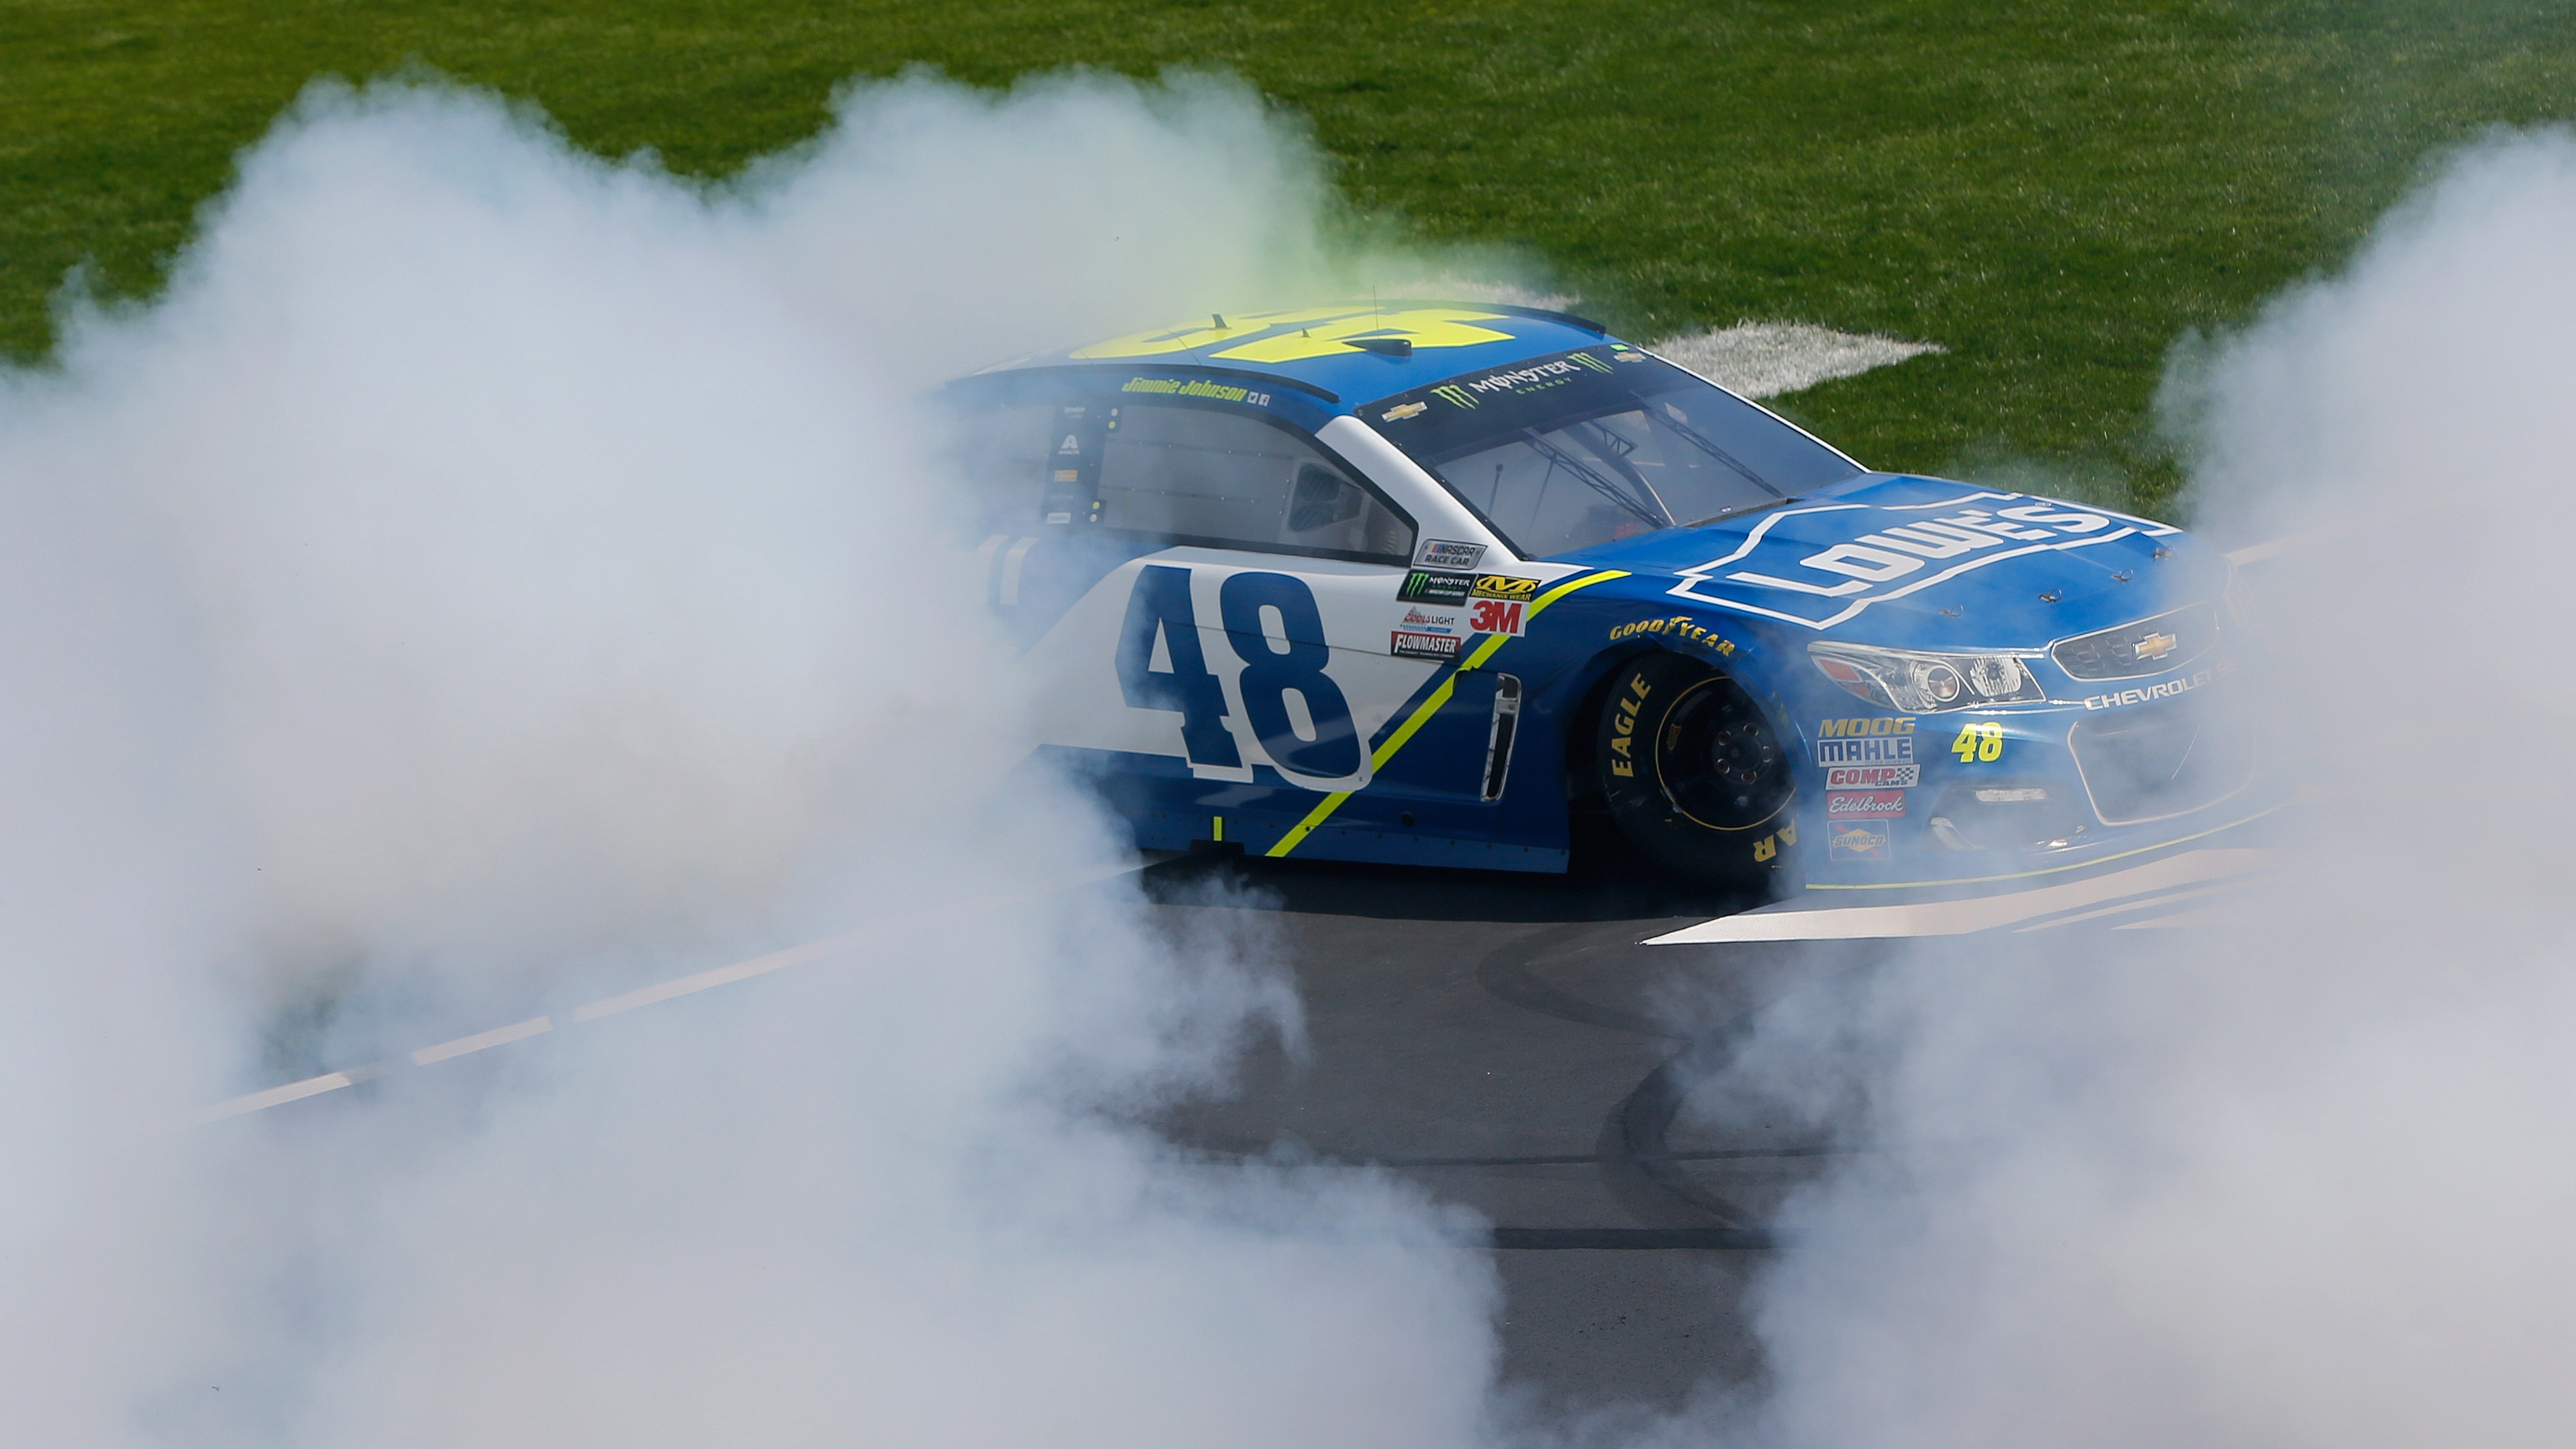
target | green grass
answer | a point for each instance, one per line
(2053, 191)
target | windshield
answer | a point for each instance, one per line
(1601, 443)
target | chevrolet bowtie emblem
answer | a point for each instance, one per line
(2155, 646)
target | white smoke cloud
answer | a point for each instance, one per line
(2299, 1177)
(492, 573)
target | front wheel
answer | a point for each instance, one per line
(1694, 777)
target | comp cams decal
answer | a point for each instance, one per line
(1889, 551)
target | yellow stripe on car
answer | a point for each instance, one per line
(1423, 712)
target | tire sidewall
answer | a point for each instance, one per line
(1644, 694)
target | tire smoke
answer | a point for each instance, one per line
(2294, 1169)
(492, 576)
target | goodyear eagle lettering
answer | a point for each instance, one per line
(1623, 726)
(1681, 628)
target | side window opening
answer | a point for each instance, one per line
(1196, 473)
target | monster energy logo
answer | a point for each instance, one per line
(1454, 396)
(1588, 360)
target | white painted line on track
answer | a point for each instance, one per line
(260, 1101)
(725, 975)
(2218, 915)
(273, 1097)
(1797, 921)
(2123, 908)
(497, 1036)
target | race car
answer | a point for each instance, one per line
(1424, 582)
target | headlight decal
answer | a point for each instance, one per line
(1923, 682)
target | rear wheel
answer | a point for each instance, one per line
(1693, 775)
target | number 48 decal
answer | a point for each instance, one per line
(1979, 740)
(1161, 608)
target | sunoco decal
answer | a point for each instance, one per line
(1891, 550)
(1855, 840)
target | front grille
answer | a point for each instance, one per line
(2001, 813)
(2152, 761)
(2149, 646)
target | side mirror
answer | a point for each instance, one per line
(1321, 498)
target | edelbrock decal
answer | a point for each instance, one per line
(1891, 550)
(1864, 804)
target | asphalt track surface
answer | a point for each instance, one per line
(1514, 1044)
(1559, 1054)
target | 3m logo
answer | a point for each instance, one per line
(1496, 616)
(1841, 729)
(1453, 395)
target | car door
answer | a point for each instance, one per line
(1238, 641)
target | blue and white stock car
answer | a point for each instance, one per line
(1420, 582)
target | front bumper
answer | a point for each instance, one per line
(1889, 801)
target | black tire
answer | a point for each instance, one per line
(1694, 776)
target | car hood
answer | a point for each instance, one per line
(1905, 560)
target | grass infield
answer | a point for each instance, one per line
(2053, 191)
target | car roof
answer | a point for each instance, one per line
(1353, 352)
